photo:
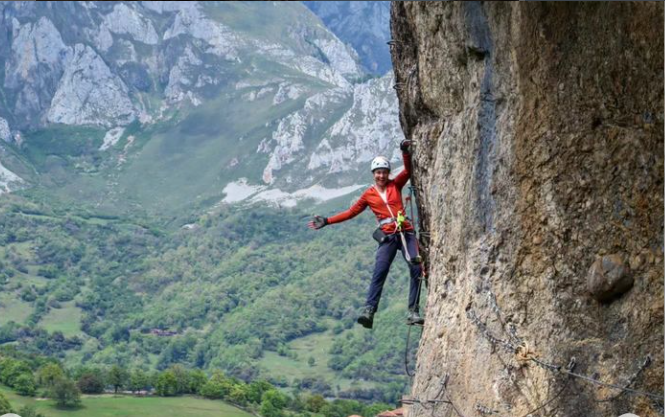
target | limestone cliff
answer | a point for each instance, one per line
(119, 71)
(539, 170)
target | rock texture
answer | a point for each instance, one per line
(363, 24)
(5, 133)
(268, 74)
(89, 93)
(539, 149)
(35, 64)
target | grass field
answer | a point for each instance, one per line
(13, 309)
(66, 319)
(317, 346)
(130, 406)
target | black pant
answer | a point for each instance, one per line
(385, 255)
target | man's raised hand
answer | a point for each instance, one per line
(405, 146)
(317, 222)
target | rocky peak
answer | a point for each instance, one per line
(308, 107)
(125, 20)
(79, 100)
(35, 65)
(362, 24)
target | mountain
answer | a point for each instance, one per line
(539, 168)
(365, 25)
(254, 293)
(167, 104)
(161, 159)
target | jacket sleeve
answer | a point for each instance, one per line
(403, 177)
(357, 208)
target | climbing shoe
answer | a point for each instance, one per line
(414, 318)
(366, 319)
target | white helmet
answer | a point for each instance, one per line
(380, 162)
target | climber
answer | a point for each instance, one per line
(394, 232)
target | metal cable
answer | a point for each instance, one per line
(406, 354)
(571, 366)
(556, 368)
(619, 387)
(631, 380)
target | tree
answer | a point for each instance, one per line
(10, 369)
(375, 409)
(217, 387)
(311, 361)
(181, 377)
(5, 407)
(91, 383)
(276, 398)
(117, 377)
(268, 409)
(342, 408)
(138, 381)
(167, 384)
(256, 389)
(238, 395)
(315, 403)
(48, 374)
(29, 411)
(25, 384)
(197, 379)
(66, 393)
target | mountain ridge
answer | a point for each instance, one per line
(128, 68)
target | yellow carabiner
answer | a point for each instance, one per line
(400, 220)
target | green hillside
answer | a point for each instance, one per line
(253, 292)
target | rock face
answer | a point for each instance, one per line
(89, 93)
(35, 65)
(268, 74)
(5, 133)
(539, 149)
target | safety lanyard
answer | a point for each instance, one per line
(397, 228)
(385, 201)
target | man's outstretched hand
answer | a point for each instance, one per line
(405, 146)
(317, 222)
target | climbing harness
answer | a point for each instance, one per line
(399, 220)
(386, 221)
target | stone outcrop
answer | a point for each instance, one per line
(89, 93)
(369, 128)
(5, 132)
(363, 24)
(539, 170)
(34, 67)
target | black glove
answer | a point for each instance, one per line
(318, 222)
(405, 146)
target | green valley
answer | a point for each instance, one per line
(252, 292)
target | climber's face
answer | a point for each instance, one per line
(381, 176)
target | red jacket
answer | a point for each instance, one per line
(372, 199)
